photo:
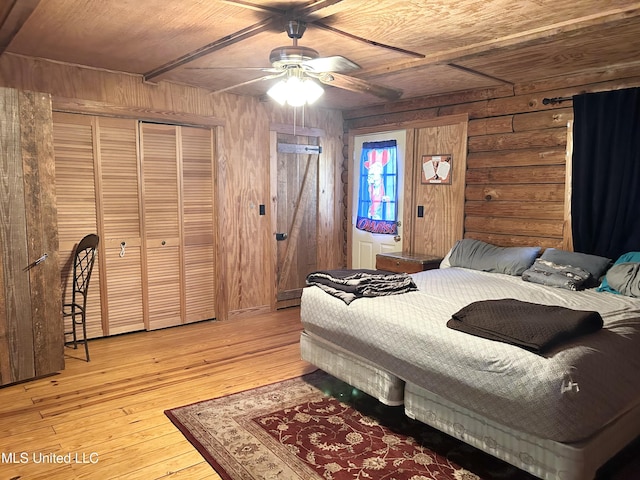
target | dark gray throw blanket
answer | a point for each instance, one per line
(532, 326)
(348, 285)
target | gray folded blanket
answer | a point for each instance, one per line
(348, 285)
(554, 275)
(625, 278)
(532, 326)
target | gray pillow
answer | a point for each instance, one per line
(478, 255)
(595, 265)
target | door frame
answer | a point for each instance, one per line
(274, 130)
(354, 167)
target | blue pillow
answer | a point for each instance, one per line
(625, 257)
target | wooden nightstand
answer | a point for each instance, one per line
(406, 262)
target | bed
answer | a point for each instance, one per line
(558, 415)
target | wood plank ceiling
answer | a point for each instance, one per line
(421, 47)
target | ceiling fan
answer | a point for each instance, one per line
(303, 63)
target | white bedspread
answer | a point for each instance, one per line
(565, 396)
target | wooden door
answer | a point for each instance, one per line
(120, 224)
(31, 328)
(198, 219)
(296, 208)
(98, 189)
(438, 208)
(75, 164)
(161, 209)
(156, 265)
(365, 245)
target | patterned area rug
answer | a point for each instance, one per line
(318, 428)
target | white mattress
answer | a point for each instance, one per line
(565, 397)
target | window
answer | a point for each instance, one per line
(378, 192)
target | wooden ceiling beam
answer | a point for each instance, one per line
(367, 41)
(303, 10)
(254, 7)
(13, 15)
(248, 32)
(311, 7)
(480, 74)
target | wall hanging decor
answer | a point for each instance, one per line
(436, 169)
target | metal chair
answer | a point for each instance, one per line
(84, 258)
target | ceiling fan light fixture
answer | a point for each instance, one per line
(279, 92)
(292, 55)
(295, 91)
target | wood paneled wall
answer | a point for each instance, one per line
(516, 181)
(244, 237)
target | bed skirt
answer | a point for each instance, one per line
(356, 371)
(543, 458)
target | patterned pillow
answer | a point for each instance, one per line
(554, 275)
(595, 265)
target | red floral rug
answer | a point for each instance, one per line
(318, 428)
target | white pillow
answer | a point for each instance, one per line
(445, 261)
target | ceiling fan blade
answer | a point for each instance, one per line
(249, 82)
(354, 84)
(337, 63)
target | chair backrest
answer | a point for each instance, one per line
(85, 256)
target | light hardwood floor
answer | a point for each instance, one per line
(107, 416)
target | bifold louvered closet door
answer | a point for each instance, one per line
(130, 182)
(177, 180)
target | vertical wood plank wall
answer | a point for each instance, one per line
(515, 179)
(244, 243)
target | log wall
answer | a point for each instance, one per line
(517, 186)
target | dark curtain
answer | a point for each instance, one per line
(605, 204)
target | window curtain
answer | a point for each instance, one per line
(378, 188)
(605, 203)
